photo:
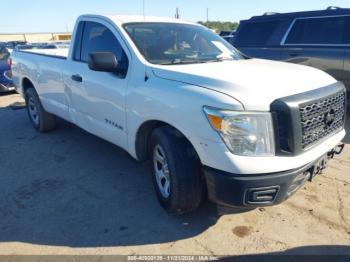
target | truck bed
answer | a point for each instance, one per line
(43, 66)
(59, 53)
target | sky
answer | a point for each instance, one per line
(60, 15)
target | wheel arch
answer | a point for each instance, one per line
(26, 83)
(144, 133)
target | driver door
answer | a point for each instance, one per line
(97, 99)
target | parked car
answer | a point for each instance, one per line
(319, 39)
(6, 83)
(43, 45)
(61, 42)
(56, 46)
(225, 33)
(13, 44)
(250, 131)
(230, 37)
(51, 45)
(38, 45)
(25, 47)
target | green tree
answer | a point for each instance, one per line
(219, 26)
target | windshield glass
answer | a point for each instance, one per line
(171, 43)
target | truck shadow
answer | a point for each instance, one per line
(336, 253)
(9, 93)
(69, 188)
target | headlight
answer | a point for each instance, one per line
(244, 133)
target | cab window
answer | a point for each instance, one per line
(98, 38)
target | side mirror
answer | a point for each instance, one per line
(103, 62)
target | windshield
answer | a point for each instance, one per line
(171, 43)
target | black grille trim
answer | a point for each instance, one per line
(314, 123)
(296, 117)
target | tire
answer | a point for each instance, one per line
(181, 169)
(40, 119)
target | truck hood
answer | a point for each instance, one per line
(256, 83)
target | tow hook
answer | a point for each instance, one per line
(336, 151)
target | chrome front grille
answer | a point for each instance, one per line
(322, 118)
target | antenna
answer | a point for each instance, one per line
(177, 13)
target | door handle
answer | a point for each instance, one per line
(77, 78)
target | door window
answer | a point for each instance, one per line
(77, 42)
(256, 33)
(322, 31)
(98, 38)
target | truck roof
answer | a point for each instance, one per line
(125, 19)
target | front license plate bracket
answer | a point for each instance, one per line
(318, 168)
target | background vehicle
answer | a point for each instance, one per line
(226, 33)
(42, 45)
(319, 39)
(229, 36)
(56, 46)
(13, 44)
(6, 83)
(178, 95)
(25, 47)
(50, 45)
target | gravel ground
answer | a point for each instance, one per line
(68, 192)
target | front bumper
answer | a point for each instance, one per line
(261, 189)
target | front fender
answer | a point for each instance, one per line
(176, 104)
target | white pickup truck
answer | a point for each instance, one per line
(244, 132)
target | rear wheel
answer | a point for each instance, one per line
(40, 119)
(176, 171)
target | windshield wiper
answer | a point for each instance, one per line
(213, 60)
(221, 59)
(181, 62)
(197, 61)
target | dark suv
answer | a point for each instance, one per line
(315, 38)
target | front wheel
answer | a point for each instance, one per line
(40, 119)
(176, 171)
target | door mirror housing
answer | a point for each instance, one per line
(103, 62)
